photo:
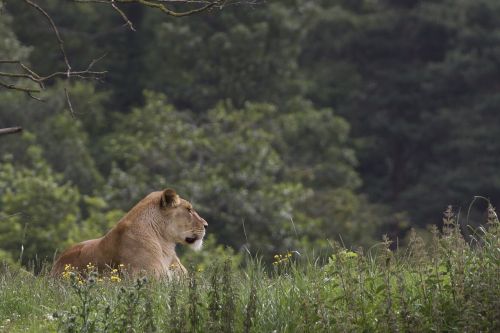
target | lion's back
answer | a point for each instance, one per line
(78, 256)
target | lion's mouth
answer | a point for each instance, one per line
(191, 240)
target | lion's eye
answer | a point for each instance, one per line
(190, 210)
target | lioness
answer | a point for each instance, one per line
(143, 240)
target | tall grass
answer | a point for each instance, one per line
(444, 285)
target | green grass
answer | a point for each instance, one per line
(445, 285)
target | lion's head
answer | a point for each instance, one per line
(182, 222)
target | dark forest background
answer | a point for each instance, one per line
(288, 124)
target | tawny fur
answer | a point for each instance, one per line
(143, 240)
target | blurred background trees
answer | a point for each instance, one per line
(287, 123)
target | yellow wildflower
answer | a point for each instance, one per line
(68, 269)
(115, 278)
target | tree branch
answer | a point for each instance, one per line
(23, 72)
(10, 130)
(125, 18)
(15, 87)
(159, 5)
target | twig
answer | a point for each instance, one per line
(69, 102)
(29, 74)
(14, 87)
(125, 18)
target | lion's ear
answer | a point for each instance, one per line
(169, 199)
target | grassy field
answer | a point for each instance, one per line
(444, 285)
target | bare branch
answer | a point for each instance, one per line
(34, 97)
(69, 103)
(14, 87)
(56, 32)
(23, 72)
(10, 130)
(94, 61)
(157, 4)
(125, 18)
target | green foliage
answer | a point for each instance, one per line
(41, 211)
(71, 155)
(100, 218)
(317, 151)
(414, 79)
(37, 209)
(236, 165)
(225, 165)
(212, 253)
(122, 314)
(66, 142)
(240, 55)
(10, 48)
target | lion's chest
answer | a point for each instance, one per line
(169, 261)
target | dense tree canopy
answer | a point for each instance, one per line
(416, 82)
